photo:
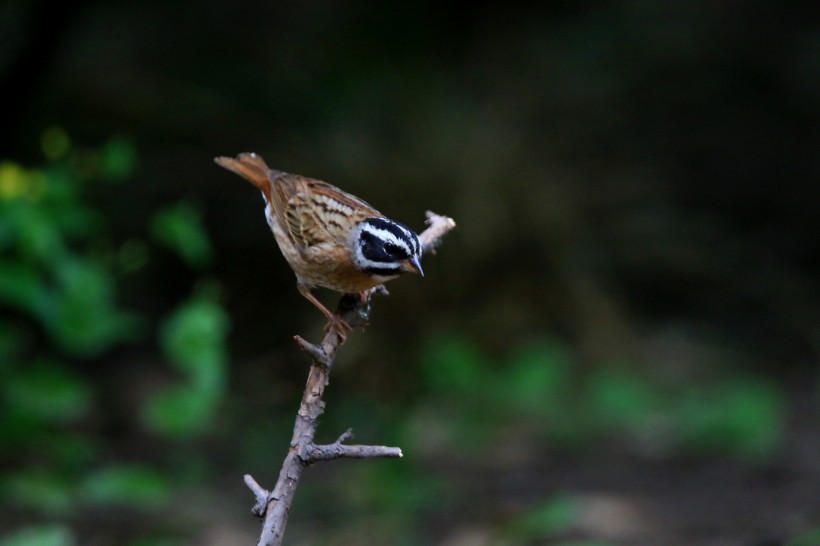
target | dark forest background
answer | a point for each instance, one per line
(617, 345)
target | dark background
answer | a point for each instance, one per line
(618, 343)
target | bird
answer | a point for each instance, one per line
(331, 239)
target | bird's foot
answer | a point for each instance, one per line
(338, 325)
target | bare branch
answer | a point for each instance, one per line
(328, 452)
(317, 452)
(437, 227)
(354, 309)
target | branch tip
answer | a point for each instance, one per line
(261, 494)
(345, 436)
(438, 227)
(315, 352)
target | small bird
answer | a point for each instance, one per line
(330, 238)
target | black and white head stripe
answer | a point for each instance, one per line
(395, 233)
(379, 245)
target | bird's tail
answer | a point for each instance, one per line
(249, 166)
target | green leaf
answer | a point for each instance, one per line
(618, 399)
(743, 417)
(126, 485)
(194, 339)
(552, 516)
(82, 315)
(118, 158)
(22, 286)
(39, 535)
(48, 392)
(55, 142)
(38, 490)
(16, 182)
(37, 234)
(452, 364)
(404, 491)
(180, 229)
(809, 538)
(537, 379)
(182, 411)
(66, 208)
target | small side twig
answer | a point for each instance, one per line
(260, 493)
(316, 353)
(274, 506)
(338, 449)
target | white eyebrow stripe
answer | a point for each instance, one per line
(388, 236)
(412, 237)
(416, 243)
(376, 223)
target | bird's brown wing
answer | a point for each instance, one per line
(316, 212)
(310, 211)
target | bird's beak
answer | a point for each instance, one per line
(412, 265)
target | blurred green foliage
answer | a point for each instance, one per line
(515, 409)
(547, 519)
(61, 279)
(540, 387)
(47, 392)
(44, 535)
(742, 415)
(193, 338)
(69, 294)
(180, 228)
(632, 176)
(134, 486)
(809, 538)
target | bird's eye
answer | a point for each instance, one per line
(392, 249)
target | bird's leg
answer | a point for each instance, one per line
(334, 321)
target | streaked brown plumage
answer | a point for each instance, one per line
(319, 230)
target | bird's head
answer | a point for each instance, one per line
(385, 248)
